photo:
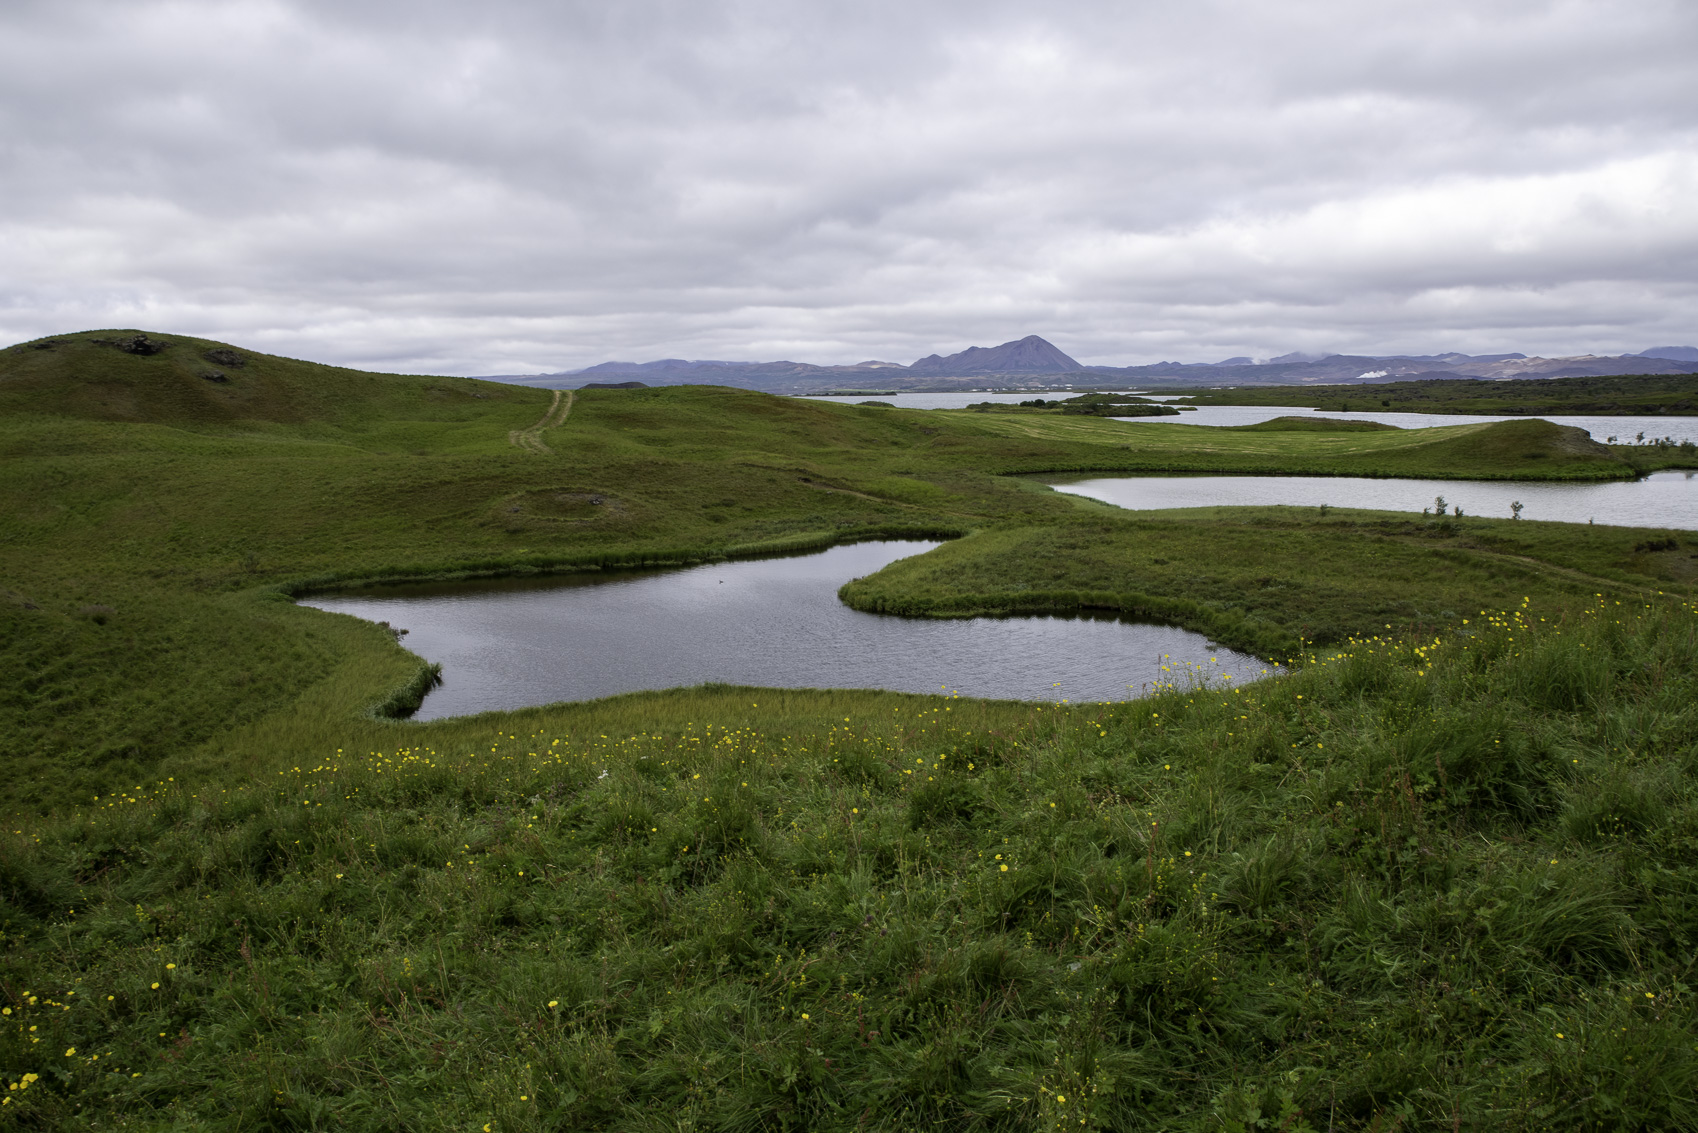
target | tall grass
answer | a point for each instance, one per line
(1436, 882)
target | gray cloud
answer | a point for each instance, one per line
(513, 186)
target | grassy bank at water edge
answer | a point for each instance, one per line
(164, 497)
(1444, 875)
(1422, 884)
(1266, 580)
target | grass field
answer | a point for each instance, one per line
(154, 521)
(1443, 878)
(1440, 883)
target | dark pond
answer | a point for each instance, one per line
(769, 622)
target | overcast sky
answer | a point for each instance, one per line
(506, 186)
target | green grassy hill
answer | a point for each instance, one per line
(1444, 876)
(130, 377)
(1314, 425)
(1535, 450)
(154, 521)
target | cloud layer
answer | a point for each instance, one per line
(508, 186)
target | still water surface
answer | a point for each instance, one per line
(957, 399)
(1663, 499)
(776, 623)
(1624, 429)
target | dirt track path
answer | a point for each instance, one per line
(1646, 589)
(531, 439)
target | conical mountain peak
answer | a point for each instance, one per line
(1029, 355)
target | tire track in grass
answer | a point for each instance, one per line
(531, 439)
(1574, 574)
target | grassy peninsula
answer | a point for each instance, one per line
(1269, 579)
(1633, 394)
(1446, 874)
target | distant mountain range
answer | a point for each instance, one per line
(1032, 362)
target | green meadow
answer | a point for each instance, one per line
(1444, 874)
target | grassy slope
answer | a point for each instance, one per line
(138, 554)
(1431, 885)
(1631, 394)
(150, 517)
(1380, 889)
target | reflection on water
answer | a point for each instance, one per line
(770, 622)
(954, 399)
(1664, 499)
(1623, 429)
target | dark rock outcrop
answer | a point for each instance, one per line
(139, 344)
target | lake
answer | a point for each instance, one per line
(947, 400)
(1601, 428)
(774, 623)
(1624, 429)
(1663, 499)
